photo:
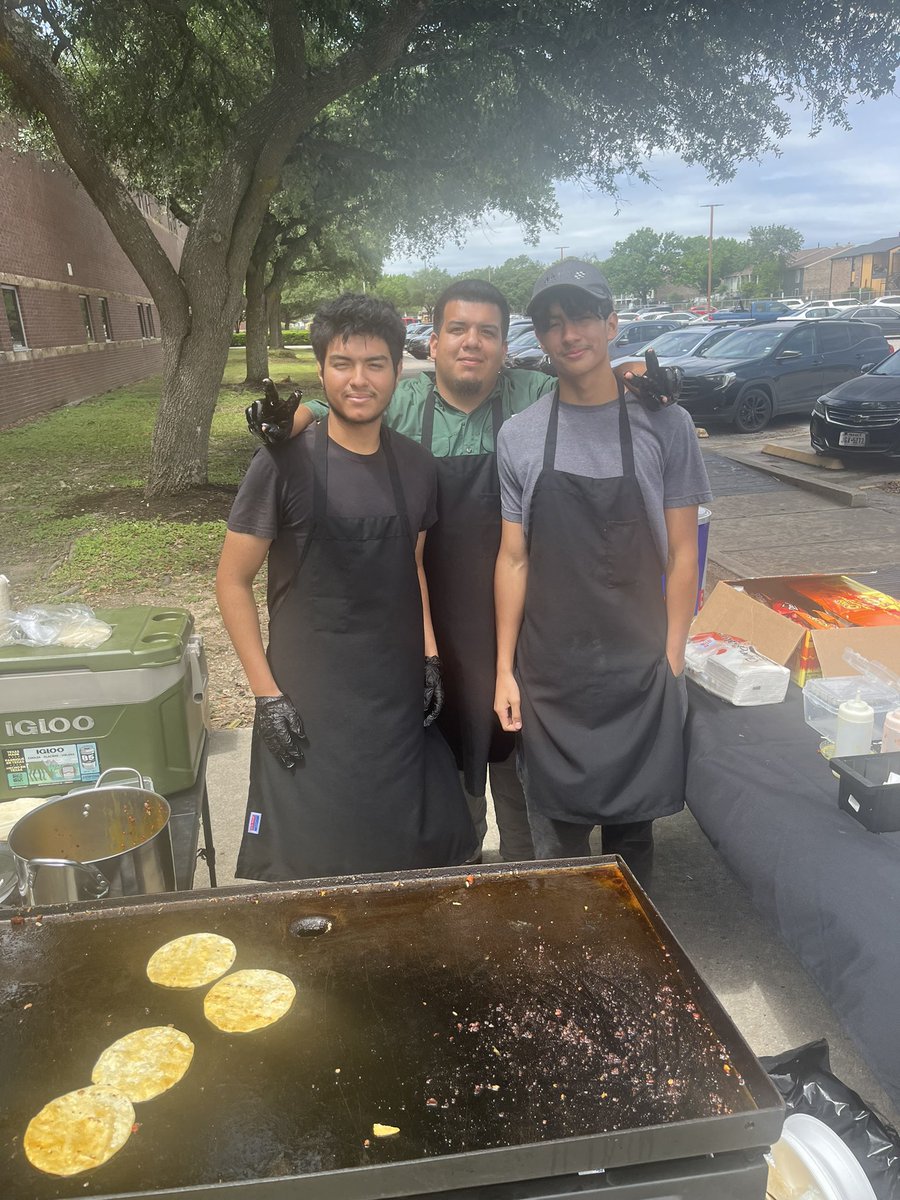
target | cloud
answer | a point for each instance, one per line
(837, 188)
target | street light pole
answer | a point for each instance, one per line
(562, 250)
(712, 208)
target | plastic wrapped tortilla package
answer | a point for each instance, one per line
(733, 670)
(60, 625)
(7, 632)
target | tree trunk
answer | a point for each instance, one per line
(257, 328)
(193, 365)
(273, 304)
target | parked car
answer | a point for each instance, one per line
(650, 308)
(700, 310)
(414, 330)
(845, 302)
(635, 333)
(519, 325)
(756, 310)
(793, 302)
(812, 312)
(524, 330)
(861, 416)
(679, 343)
(526, 352)
(887, 319)
(683, 317)
(417, 345)
(764, 370)
(889, 301)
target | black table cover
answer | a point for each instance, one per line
(768, 802)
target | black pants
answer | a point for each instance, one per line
(562, 839)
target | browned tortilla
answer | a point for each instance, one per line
(145, 1063)
(79, 1131)
(248, 1000)
(191, 961)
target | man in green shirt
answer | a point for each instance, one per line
(457, 413)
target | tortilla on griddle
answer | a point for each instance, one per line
(145, 1063)
(79, 1131)
(191, 961)
(248, 1000)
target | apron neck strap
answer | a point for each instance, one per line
(320, 479)
(625, 442)
(428, 416)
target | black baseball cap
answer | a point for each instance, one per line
(572, 273)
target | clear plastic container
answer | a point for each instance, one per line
(823, 697)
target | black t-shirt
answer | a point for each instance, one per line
(275, 499)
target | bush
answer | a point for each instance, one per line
(290, 337)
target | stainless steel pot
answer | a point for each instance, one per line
(112, 839)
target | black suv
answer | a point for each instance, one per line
(779, 367)
(636, 333)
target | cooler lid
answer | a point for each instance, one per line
(142, 636)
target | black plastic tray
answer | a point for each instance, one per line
(514, 1023)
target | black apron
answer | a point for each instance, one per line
(376, 791)
(460, 553)
(601, 718)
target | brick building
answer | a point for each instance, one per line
(817, 274)
(76, 319)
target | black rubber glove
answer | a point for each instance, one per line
(659, 386)
(281, 728)
(272, 419)
(434, 689)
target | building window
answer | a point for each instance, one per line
(86, 317)
(14, 318)
(104, 319)
(151, 328)
(140, 308)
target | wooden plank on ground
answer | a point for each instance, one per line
(795, 454)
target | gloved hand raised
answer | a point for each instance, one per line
(434, 688)
(658, 386)
(281, 728)
(271, 419)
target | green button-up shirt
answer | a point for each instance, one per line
(456, 432)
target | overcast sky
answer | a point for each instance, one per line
(838, 188)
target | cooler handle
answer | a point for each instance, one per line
(139, 781)
(99, 880)
(199, 671)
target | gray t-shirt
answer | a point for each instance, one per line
(275, 499)
(667, 458)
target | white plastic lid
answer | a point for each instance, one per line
(831, 1163)
(856, 711)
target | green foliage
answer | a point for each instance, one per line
(130, 552)
(72, 498)
(289, 337)
(515, 278)
(643, 262)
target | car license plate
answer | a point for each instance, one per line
(853, 439)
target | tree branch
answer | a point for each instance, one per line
(288, 41)
(377, 48)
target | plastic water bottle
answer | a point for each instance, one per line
(855, 728)
(890, 739)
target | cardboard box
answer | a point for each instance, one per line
(807, 653)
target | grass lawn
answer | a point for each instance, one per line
(76, 525)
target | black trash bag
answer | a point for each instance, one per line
(804, 1078)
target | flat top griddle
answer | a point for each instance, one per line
(521, 1021)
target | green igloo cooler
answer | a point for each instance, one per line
(139, 700)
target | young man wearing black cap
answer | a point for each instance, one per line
(599, 495)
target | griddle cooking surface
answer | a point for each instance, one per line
(527, 1007)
